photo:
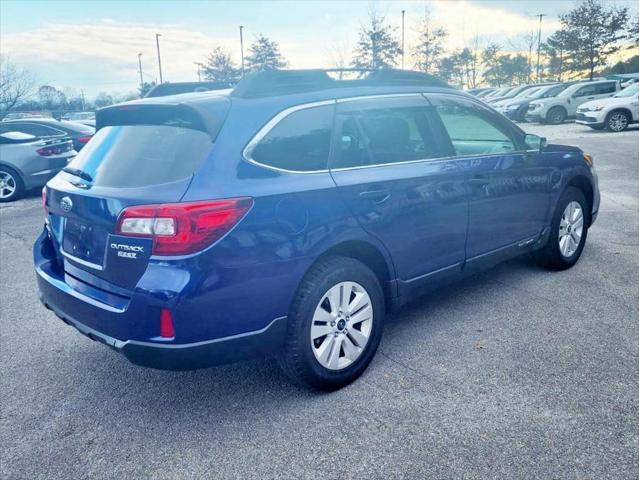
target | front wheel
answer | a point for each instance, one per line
(335, 324)
(617, 121)
(556, 115)
(567, 233)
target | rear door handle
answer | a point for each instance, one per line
(478, 182)
(378, 196)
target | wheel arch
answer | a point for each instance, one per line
(621, 109)
(371, 256)
(583, 183)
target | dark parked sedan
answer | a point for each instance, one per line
(50, 128)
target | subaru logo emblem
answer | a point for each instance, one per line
(66, 204)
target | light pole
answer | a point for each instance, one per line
(199, 71)
(141, 77)
(157, 44)
(242, 48)
(403, 12)
(541, 15)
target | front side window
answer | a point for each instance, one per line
(383, 136)
(471, 131)
(300, 142)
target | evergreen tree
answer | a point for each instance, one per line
(264, 54)
(429, 50)
(377, 47)
(593, 33)
(220, 67)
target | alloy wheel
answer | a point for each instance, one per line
(571, 228)
(8, 185)
(618, 122)
(341, 325)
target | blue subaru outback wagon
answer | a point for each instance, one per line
(286, 217)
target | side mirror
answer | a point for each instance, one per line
(535, 142)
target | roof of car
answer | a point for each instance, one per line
(292, 87)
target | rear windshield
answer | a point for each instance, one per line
(142, 155)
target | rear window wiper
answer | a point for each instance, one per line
(78, 173)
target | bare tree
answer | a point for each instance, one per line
(15, 85)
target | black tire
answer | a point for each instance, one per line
(556, 115)
(550, 255)
(15, 179)
(617, 121)
(298, 360)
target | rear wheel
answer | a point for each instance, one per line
(568, 231)
(11, 186)
(335, 324)
(617, 121)
(556, 115)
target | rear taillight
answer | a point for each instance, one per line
(183, 228)
(84, 139)
(55, 149)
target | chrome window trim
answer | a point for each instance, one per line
(246, 153)
(431, 160)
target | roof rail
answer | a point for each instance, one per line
(285, 82)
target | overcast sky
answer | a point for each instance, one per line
(93, 45)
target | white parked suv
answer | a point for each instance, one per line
(557, 109)
(613, 114)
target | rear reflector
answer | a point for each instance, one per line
(183, 228)
(167, 330)
(44, 198)
(84, 139)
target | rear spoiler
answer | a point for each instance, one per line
(194, 116)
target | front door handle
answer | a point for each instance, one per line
(378, 196)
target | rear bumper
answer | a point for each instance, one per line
(130, 324)
(190, 356)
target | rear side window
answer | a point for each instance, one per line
(472, 131)
(299, 142)
(142, 155)
(37, 130)
(383, 136)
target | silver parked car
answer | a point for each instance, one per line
(28, 162)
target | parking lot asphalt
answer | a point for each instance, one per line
(514, 373)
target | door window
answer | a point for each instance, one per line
(380, 136)
(586, 91)
(472, 131)
(300, 142)
(604, 88)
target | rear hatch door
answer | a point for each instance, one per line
(140, 154)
